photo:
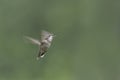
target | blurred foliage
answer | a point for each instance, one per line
(87, 45)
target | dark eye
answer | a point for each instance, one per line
(46, 38)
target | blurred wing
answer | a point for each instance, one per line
(34, 41)
(44, 35)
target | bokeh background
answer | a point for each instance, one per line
(86, 46)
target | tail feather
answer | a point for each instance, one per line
(40, 55)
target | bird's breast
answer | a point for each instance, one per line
(45, 44)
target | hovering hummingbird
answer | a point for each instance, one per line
(44, 43)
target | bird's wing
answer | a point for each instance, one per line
(34, 41)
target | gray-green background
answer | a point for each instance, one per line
(86, 46)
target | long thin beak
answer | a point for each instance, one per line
(54, 35)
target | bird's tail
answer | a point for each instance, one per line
(40, 55)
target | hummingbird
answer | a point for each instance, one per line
(44, 43)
